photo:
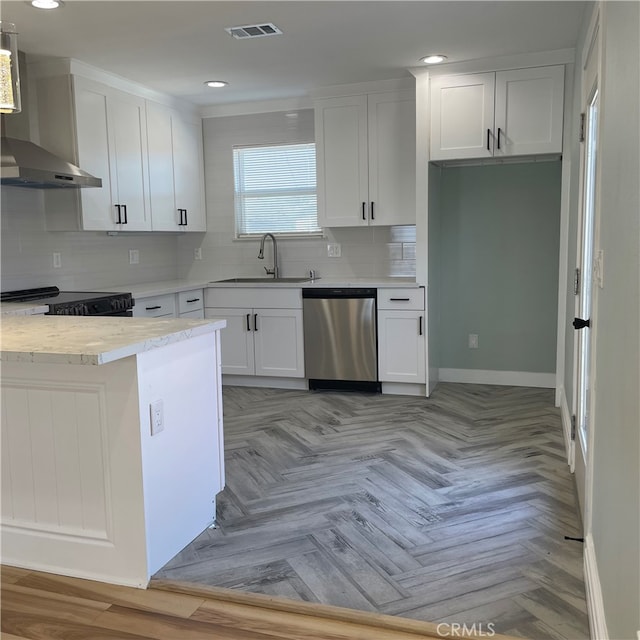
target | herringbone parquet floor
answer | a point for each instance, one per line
(452, 508)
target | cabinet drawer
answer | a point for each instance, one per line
(155, 306)
(190, 300)
(401, 299)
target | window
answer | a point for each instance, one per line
(275, 189)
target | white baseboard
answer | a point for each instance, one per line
(404, 389)
(565, 414)
(595, 603)
(264, 381)
(506, 378)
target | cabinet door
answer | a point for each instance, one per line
(188, 167)
(462, 110)
(342, 161)
(401, 346)
(127, 121)
(96, 155)
(237, 340)
(164, 214)
(392, 158)
(279, 345)
(529, 111)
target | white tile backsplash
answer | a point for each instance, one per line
(90, 260)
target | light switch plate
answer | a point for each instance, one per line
(197, 253)
(57, 260)
(134, 256)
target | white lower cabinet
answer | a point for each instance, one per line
(259, 341)
(401, 336)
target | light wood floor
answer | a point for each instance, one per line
(39, 606)
(452, 509)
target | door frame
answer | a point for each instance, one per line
(590, 79)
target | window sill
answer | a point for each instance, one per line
(281, 236)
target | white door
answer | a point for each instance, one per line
(95, 155)
(278, 341)
(342, 161)
(236, 340)
(583, 371)
(189, 172)
(127, 120)
(392, 158)
(164, 216)
(529, 111)
(401, 354)
(462, 109)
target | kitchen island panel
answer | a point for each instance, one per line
(92, 474)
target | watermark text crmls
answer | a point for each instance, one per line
(477, 629)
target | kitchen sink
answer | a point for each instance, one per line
(263, 280)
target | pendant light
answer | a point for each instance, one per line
(9, 75)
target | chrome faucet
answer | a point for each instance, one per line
(272, 272)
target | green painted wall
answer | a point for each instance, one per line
(499, 230)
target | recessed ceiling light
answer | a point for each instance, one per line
(434, 58)
(216, 84)
(46, 4)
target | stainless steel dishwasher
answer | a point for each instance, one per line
(340, 338)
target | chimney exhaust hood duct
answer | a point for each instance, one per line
(25, 164)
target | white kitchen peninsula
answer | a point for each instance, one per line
(87, 490)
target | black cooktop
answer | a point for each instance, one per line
(72, 302)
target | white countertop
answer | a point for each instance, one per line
(148, 289)
(92, 340)
(163, 287)
(326, 283)
(22, 308)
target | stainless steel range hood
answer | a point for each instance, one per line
(25, 164)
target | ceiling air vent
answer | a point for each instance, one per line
(253, 31)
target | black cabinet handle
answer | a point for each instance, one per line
(499, 137)
(420, 326)
(399, 299)
(373, 217)
(255, 321)
(186, 219)
(579, 323)
(158, 306)
(119, 220)
(183, 217)
(248, 325)
(364, 210)
(126, 220)
(194, 300)
(488, 139)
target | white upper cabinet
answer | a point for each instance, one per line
(504, 113)
(366, 159)
(176, 171)
(529, 111)
(103, 130)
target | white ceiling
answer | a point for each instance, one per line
(174, 46)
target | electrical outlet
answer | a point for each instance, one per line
(57, 260)
(134, 256)
(334, 250)
(197, 253)
(156, 411)
(473, 341)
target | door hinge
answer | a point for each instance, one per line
(573, 428)
(583, 118)
(576, 282)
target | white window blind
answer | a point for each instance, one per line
(275, 189)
